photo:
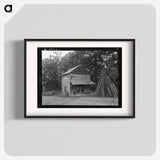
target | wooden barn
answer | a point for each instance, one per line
(76, 80)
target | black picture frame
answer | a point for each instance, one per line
(120, 70)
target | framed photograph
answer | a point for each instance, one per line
(92, 78)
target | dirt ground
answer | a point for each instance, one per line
(53, 100)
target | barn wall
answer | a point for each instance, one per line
(66, 87)
(66, 84)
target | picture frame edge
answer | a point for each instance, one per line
(79, 39)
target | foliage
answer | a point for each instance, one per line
(94, 60)
(51, 71)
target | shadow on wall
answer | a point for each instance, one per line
(14, 79)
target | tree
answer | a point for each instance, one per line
(51, 71)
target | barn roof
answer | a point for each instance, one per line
(82, 82)
(72, 69)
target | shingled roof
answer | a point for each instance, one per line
(72, 70)
(82, 82)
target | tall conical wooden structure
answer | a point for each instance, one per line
(105, 87)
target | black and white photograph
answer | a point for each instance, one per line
(79, 77)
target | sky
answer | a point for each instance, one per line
(46, 54)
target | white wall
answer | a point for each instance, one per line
(53, 137)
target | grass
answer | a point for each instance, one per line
(78, 100)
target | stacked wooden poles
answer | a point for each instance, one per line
(105, 87)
